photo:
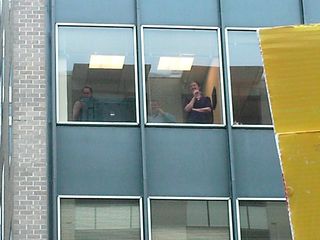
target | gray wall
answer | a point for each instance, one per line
(259, 13)
(257, 165)
(95, 11)
(188, 12)
(99, 161)
(187, 162)
(311, 11)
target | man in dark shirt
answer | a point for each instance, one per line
(84, 109)
(198, 107)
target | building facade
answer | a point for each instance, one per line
(140, 119)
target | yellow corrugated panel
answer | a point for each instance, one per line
(301, 168)
(291, 58)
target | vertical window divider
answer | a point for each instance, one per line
(233, 190)
(140, 96)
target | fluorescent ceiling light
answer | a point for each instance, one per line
(175, 63)
(106, 61)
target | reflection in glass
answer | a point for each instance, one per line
(249, 94)
(174, 60)
(264, 220)
(96, 74)
(192, 219)
(96, 219)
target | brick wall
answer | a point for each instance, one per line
(29, 121)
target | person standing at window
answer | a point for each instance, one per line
(84, 109)
(158, 115)
(198, 107)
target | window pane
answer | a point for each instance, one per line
(83, 219)
(186, 220)
(180, 64)
(264, 220)
(96, 74)
(249, 94)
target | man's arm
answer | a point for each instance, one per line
(202, 110)
(189, 106)
(76, 110)
(207, 106)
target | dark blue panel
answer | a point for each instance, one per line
(257, 166)
(187, 162)
(258, 13)
(311, 9)
(186, 12)
(95, 11)
(98, 160)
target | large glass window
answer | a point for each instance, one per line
(96, 74)
(189, 219)
(183, 76)
(264, 220)
(250, 104)
(95, 219)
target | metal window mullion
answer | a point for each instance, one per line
(230, 140)
(302, 11)
(140, 95)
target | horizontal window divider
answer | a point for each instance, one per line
(98, 197)
(185, 125)
(180, 27)
(65, 24)
(261, 199)
(242, 126)
(100, 124)
(188, 198)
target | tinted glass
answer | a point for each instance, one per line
(249, 95)
(83, 219)
(96, 74)
(182, 220)
(182, 67)
(264, 220)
